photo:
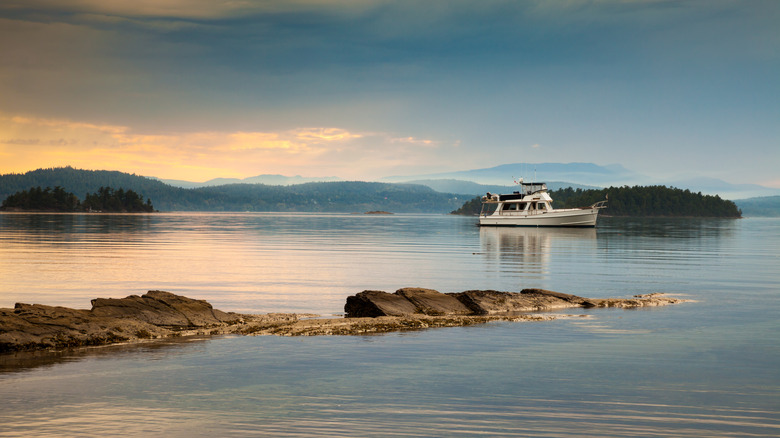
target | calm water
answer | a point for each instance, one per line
(709, 368)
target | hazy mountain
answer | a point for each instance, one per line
(499, 179)
(578, 173)
(271, 180)
(472, 188)
(724, 189)
(767, 206)
(585, 175)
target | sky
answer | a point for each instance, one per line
(199, 89)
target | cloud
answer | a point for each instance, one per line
(179, 9)
(318, 135)
(415, 141)
(29, 142)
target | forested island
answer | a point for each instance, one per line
(644, 201)
(58, 200)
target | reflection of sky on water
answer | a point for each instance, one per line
(239, 262)
(708, 368)
(250, 262)
(536, 379)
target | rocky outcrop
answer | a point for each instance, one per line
(162, 309)
(373, 303)
(416, 301)
(490, 302)
(159, 314)
(154, 315)
(406, 301)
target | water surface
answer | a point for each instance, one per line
(709, 368)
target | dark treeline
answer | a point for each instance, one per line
(641, 201)
(47, 199)
(472, 207)
(106, 199)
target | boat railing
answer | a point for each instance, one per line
(600, 204)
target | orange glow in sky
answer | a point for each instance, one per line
(28, 143)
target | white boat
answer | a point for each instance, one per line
(532, 207)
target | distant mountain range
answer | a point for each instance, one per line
(271, 180)
(500, 179)
(583, 175)
(580, 173)
(472, 188)
(766, 206)
(339, 196)
(438, 193)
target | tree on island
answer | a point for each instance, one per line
(637, 201)
(47, 199)
(58, 200)
(108, 199)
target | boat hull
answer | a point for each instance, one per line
(581, 217)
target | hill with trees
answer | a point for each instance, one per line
(58, 200)
(80, 182)
(766, 206)
(340, 196)
(637, 201)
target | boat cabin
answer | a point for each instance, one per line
(530, 206)
(531, 199)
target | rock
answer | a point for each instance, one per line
(473, 302)
(161, 309)
(154, 315)
(434, 303)
(372, 303)
(418, 301)
(35, 326)
(490, 302)
(406, 301)
(574, 299)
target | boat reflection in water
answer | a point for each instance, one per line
(528, 250)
